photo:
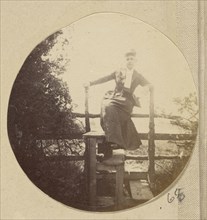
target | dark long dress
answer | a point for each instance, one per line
(116, 109)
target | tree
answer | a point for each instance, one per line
(40, 102)
(40, 105)
(188, 108)
(187, 120)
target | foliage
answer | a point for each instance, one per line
(188, 108)
(40, 102)
(59, 177)
(168, 171)
(40, 107)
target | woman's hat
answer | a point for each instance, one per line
(131, 52)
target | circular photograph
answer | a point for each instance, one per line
(103, 114)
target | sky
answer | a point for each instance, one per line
(97, 45)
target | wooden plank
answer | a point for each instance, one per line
(160, 157)
(127, 175)
(143, 136)
(135, 175)
(86, 164)
(102, 167)
(130, 157)
(169, 157)
(81, 158)
(151, 140)
(65, 158)
(82, 115)
(119, 191)
(95, 134)
(92, 172)
(179, 137)
(140, 190)
(87, 120)
(90, 115)
(53, 136)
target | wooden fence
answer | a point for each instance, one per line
(151, 136)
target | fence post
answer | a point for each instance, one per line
(87, 122)
(86, 154)
(151, 140)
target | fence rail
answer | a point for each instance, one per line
(128, 157)
(143, 136)
(133, 115)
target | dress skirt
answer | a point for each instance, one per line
(116, 120)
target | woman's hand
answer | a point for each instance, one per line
(146, 89)
(150, 86)
(86, 85)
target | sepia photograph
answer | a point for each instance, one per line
(103, 114)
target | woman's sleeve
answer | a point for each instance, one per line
(103, 79)
(142, 81)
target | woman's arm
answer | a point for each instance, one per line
(144, 83)
(101, 80)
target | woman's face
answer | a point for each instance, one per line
(130, 61)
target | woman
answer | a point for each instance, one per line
(117, 105)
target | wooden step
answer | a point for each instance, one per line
(105, 201)
(127, 175)
(110, 164)
(140, 190)
(101, 167)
